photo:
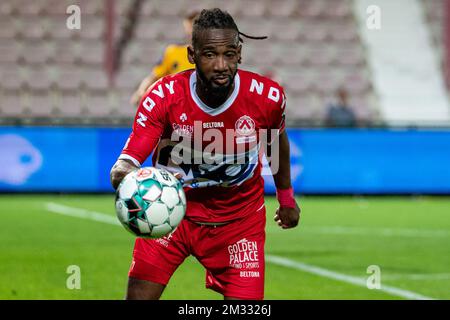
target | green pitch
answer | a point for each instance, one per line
(327, 257)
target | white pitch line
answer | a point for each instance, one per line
(343, 277)
(105, 218)
(402, 232)
(81, 213)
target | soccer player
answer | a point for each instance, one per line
(224, 225)
(174, 60)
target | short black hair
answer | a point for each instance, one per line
(215, 19)
(212, 19)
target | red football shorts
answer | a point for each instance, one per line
(233, 255)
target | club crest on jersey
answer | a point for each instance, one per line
(245, 126)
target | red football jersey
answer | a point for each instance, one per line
(216, 151)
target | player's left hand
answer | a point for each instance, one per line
(287, 217)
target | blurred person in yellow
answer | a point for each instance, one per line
(174, 60)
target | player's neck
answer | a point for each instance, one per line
(212, 100)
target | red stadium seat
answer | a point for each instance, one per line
(9, 27)
(40, 104)
(321, 56)
(69, 77)
(29, 8)
(350, 57)
(147, 30)
(10, 51)
(33, 27)
(92, 7)
(283, 8)
(12, 77)
(289, 56)
(58, 7)
(338, 9)
(97, 105)
(345, 35)
(11, 104)
(39, 78)
(93, 52)
(70, 103)
(253, 8)
(37, 52)
(311, 9)
(313, 31)
(124, 107)
(357, 83)
(259, 55)
(172, 8)
(325, 85)
(298, 82)
(285, 30)
(305, 107)
(171, 30)
(363, 107)
(7, 8)
(65, 52)
(232, 7)
(94, 79)
(57, 29)
(313, 46)
(130, 77)
(92, 28)
(127, 79)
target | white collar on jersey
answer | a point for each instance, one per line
(203, 106)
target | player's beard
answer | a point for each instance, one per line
(217, 93)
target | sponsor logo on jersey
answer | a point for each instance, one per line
(210, 125)
(186, 130)
(244, 256)
(182, 130)
(245, 126)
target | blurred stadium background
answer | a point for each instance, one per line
(65, 115)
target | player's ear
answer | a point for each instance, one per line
(190, 54)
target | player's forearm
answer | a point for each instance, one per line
(282, 176)
(120, 169)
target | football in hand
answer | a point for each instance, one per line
(150, 202)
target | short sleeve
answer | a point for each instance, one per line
(277, 109)
(148, 127)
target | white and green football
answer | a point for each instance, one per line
(150, 202)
